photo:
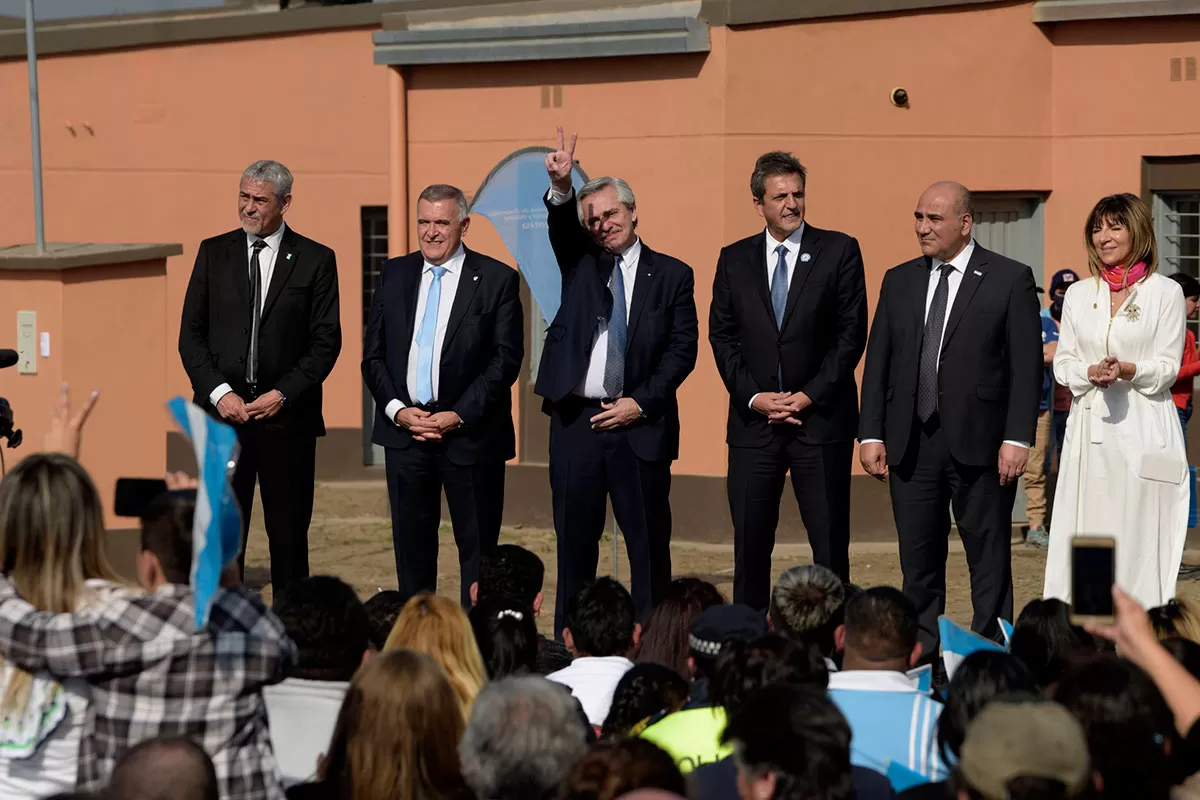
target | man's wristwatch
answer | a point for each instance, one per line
(282, 398)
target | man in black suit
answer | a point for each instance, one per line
(442, 349)
(260, 332)
(788, 324)
(950, 402)
(622, 342)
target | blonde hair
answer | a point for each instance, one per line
(1128, 211)
(397, 734)
(51, 535)
(1178, 618)
(439, 628)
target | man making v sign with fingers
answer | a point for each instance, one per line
(619, 347)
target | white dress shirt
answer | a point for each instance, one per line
(959, 263)
(454, 268)
(592, 384)
(266, 269)
(790, 256)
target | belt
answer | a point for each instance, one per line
(578, 401)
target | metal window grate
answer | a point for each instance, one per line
(374, 253)
(1177, 224)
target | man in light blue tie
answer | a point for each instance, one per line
(442, 349)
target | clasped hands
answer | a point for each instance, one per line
(781, 408)
(235, 409)
(1109, 370)
(426, 426)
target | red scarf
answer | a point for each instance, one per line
(1123, 277)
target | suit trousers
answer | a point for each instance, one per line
(924, 487)
(416, 476)
(284, 465)
(821, 483)
(586, 468)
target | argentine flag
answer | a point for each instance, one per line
(958, 643)
(217, 528)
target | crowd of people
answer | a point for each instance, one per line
(110, 691)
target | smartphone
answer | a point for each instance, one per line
(134, 495)
(1093, 573)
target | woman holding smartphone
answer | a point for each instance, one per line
(1123, 464)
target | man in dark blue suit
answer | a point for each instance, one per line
(442, 349)
(622, 342)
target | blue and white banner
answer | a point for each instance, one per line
(512, 198)
(958, 643)
(217, 528)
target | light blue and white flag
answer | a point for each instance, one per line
(217, 527)
(958, 643)
(1006, 628)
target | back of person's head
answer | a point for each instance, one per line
(980, 678)
(166, 555)
(715, 628)
(600, 620)
(506, 634)
(397, 733)
(1022, 749)
(1047, 642)
(791, 743)
(808, 605)
(52, 538)
(1129, 728)
(1186, 652)
(1178, 617)
(613, 769)
(666, 634)
(440, 628)
(328, 623)
(524, 736)
(744, 667)
(880, 631)
(382, 609)
(512, 571)
(1189, 284)
(174, 768)
(644, 692)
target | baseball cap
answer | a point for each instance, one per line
(1062, 280)
(1026, 738)
(716, 625)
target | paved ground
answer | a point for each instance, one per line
(357, 547)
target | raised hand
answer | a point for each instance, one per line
(560, 163)
(66, 428)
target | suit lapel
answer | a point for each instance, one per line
(919, 284)
(468, 282)
(239, 258)
(758, 273)
(810, 246)
(643, 279)
(972, 277)
(285, 262)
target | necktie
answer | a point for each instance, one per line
(256, 293)
(931, 347)
(614, 364)
(425, 338)
(779, 293)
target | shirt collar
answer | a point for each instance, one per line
(272, 241)
(960, 261)
(865, 680)
(792, 243)
(455, 264)
(631, 256)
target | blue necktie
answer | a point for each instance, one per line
(614, 364)
(779, 293)
(425, 337)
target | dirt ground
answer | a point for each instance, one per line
(358, 549)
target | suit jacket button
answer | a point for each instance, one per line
(241, 361)
(245, 330)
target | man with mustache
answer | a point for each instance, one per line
(788, 325)
(260, 333)
(950, 405)
(442, 349)
(622, 342)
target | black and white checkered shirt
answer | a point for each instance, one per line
(152, 674)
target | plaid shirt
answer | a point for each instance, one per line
(152, 674)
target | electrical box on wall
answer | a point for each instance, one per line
(27, 345)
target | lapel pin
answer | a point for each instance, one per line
(476, 277)
(289, 256)
(805, 257)
(980, 274)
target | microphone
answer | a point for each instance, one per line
(8, 358)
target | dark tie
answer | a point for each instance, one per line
(779, 294)
(931, 346)
(256, 290)
(614, 363)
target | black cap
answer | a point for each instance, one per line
(716, 625)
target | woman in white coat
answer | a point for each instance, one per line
(1123, 465)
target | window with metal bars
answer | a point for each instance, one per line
(374, 253)
(1177, 225)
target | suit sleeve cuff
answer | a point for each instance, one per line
(392, 408)
(870, 441)
(556, 197)
(1017, 444)
(219, 392)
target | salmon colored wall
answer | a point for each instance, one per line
(174, 127)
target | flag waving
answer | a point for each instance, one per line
(217, 527)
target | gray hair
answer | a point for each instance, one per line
(776, 162)
(444, 191)
(524, 737)
(271, 172)
(624, 194)
(806, 599)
